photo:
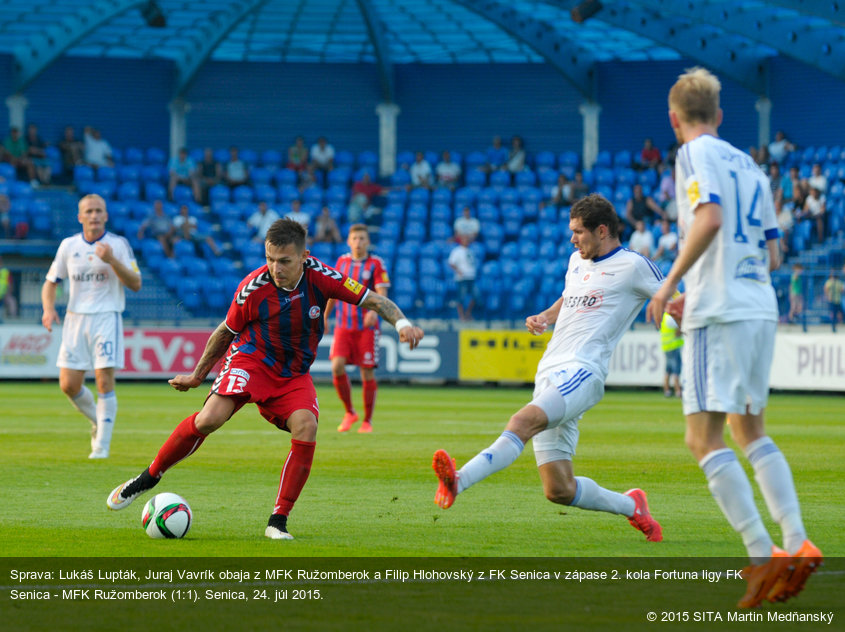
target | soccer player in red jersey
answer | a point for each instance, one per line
(271, 333)
(356, 332)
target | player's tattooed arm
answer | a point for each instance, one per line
(388, 310)
(216, 346)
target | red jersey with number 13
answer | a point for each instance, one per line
(281, 328)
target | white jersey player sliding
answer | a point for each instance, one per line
(606, 287)
(729, 243)
(97, 265)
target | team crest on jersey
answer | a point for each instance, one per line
(353, 286)
(314, 312)
(693, 193)
(586, 277)
(367, 274)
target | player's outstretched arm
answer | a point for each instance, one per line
(48, 304)
(388, 310)
(538, 323)
(216, 346)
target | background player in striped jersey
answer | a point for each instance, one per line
(356, 332)
(729, 244)
(606, 286)
(97, 264)
(270, 338)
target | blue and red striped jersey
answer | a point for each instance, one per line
(369, 272)
(280, 328)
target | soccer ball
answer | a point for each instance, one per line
(166, 515)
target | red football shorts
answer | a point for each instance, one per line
(277, 397)
(359, 346)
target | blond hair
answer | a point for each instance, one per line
(695, 96)
(94, 197)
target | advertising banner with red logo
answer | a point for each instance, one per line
(28, 351)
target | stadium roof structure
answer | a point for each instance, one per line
(736, 38)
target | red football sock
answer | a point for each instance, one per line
(294, 475)
(343, 388)
(370, 390)
(183, 442)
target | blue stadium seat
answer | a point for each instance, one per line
(648, 178)
(393, 213)
(622, 158)
(323, 251)
(285, 176)
(568, 159)
(105, 190)
(341, 176)
(419, 195)
(313, 195)
(397, 196)
(129, 190)
(475, 159)
(219, 193)
(604, 159)
(368, 158)
(525, 178)
(545, 159)
(479, 250)
(488, 213)
(271, 159)
(157, 173)
(441, 195)
(476, 178)
(182, 194)
(265, 193)
(170, 273)
(493, 236)
(409, 249)
(260, 175)
(344, 158)
(549, 231)
(432, 157)
(404, 284)
(400, 178)
(441, 231)
(80, 173)
(156, 156)
(500, 179)
(529, 233)
(288, 192)
(465, 196)
(405, 158)
(430, 268)
(106, 174)
(405, 301)
(441, 213)
(183, 250)
(128, 173)
(133, 156)
(488, 195)
(243, 193)
(390, 231)
(249, 156)
(417, 212)
(415, 231)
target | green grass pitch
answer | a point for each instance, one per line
(371, 495)
(369, 504)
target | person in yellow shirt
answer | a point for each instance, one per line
(671, 341)
(833, 288)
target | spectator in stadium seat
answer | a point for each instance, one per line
(183, 170)
(7, 292)
(570, 376)
(561, 193)
(466, 226)
(796, 292)
(642, 241)
(448, 172)
(786, 220)
(817, 179)
(833, 291)
(297, 155)
(779, 147)
(98, 265)
(268, 348)
(364, 192)
(516, 156)
(775, 179)
(261, 220)
(158, 225)
(497, 155)
(642, 207)
(666, 191)
(322, 155)
(815, 207)
(236, 172)
(667, 245)
(16, 153)
(37, 153)
(579, 187)
(327, 230)
(72, 150)
(298, 215)
(98, 151)
(186, 227)
(421, 174)
(463, 264)
(764, 158)
(208, 173)
(5, 219)
(356, 331)
(649, 157)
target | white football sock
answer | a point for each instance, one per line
(83, 401)
(732, 491)
(106, 412)
(498, 456)
(590, 495)
(775, 479)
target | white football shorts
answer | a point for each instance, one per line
(726, 367)
(91, 341)
(564, 395)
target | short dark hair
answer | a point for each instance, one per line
(286, 231)
(595, 210)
